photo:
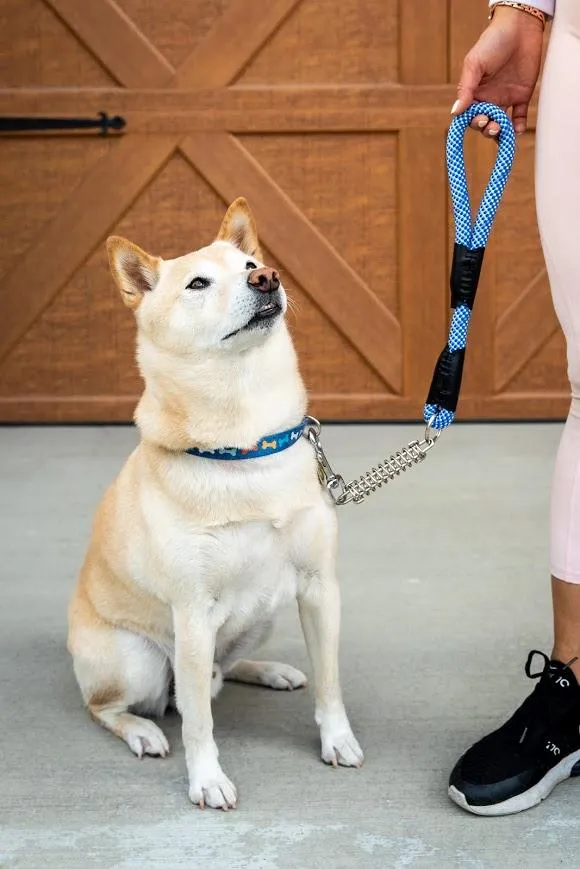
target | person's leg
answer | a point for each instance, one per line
(558, 204)
(566, 604)
(518, 765)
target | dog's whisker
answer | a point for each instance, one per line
(292, 315)
(294, 306)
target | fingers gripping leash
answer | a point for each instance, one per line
(470, 241)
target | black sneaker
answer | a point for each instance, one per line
(518, 766)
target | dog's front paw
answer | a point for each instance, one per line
(341, 748)
(215, 791)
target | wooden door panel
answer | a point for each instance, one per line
(36, 177)
(331, 119)
(65, 242)
(350, 42)
(87, 315)
(38, 50)
(327, 361)
(324, 355)
(227, 165)
(85, 318)
(174, 27)
(466, 22)
(111, 36)
(547, 367)
(177, 212)
(345, 184)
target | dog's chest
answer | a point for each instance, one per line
(197, 549)
(255, 567)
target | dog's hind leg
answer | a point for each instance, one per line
(269, 674)
(118, 671)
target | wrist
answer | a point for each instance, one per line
(514, 16)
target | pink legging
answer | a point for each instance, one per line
(558, 205)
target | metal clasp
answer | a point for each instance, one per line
(431, 435)
(357, 490)
(331, 481)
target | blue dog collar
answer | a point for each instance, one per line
(266, 446)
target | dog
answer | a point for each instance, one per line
(191, 554)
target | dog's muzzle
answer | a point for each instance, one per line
(265, 280)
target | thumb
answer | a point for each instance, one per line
(471, 76)
(520, 117)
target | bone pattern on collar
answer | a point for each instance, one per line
(266, 446)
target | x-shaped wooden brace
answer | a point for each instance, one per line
(88, 215)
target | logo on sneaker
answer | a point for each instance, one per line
(553, 748)
(562, 682)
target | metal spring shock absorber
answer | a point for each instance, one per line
(357, 490)
(387, 470)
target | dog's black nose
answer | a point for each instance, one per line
(265, 280)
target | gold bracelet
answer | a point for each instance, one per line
(522, 7)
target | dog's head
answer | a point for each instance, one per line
(219, 298)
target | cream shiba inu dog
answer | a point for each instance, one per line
(190, 556)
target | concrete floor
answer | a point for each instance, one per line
(444, 579)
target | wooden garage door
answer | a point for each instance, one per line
(330, 117)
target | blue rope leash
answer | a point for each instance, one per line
(470, 241)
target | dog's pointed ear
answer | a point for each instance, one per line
(239, 228)
(135, 271)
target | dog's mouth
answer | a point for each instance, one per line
(265, 314)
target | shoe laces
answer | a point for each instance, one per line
(544, 703)
(547, 664)
(529, 663)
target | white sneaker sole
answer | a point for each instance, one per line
(529, 798)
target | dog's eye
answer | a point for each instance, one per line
(251, 265)
(198, 284)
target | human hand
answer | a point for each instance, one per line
(502, 68)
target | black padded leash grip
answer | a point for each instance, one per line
(446, 383)
(465, 271)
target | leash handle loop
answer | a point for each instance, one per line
(476, 235)
(470, 241)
